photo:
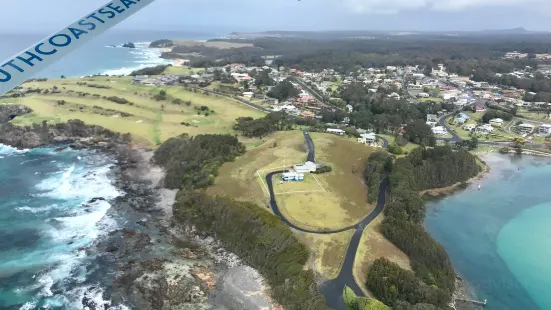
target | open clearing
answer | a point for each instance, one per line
(181, 70)
(215, 44)
(327, 251)
(373, 245)
(344, 201)
(150, 122)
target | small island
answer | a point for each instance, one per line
(129, 45)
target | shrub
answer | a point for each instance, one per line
(395, 149)
(323, 169)
(118, 100)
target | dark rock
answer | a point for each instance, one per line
(75, 132)
(59, 149)
(96, 199)
(11, 110)
(129, 45)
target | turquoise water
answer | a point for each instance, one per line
(46, 217)
(499, 237)
(97, 57)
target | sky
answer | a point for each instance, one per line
(39, 16)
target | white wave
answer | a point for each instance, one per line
(8, 150)
(79, 184)
(28, 306)
(37, 210)
(83, 227)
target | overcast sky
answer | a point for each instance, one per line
(41, 16)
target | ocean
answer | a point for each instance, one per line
(48, 215)
(46, 218)
(499, 237)
(97, 56)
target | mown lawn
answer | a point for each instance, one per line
(151, 122)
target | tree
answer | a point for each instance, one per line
(420, 133)
(283, 91)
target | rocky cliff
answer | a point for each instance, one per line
(74, 132)
(10, 111)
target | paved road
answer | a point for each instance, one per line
(333, 289)
(443, 122)
(311, 149)
(385, 142)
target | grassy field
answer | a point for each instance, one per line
(216, 44)
(327, 251)
(150, 121)
(373, 245)
(433, 99)
(343, 203)
(407, 148)
(182, 70)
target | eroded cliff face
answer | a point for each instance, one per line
(12, 110)
(74, 132)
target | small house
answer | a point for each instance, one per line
(339, 132)
(461, 118)
(496, 121)
(439, 130)
(469, 127)
(306, 167)
(545, 129)
(367, 138)
(292, 176)
(486, 128)
(525, 128)
(432, 118)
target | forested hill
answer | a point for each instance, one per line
(433, 278)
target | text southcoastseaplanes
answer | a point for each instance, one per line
(32, 60)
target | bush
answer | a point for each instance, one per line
(177, 101)
(189, 161)
(323, 169)
(505, 150)
(261, 239)
(395, 149)
(118, 100)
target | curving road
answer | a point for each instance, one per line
(333, 289)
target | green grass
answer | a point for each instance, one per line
(151, 123)
(406, 148)
(182, 70)
(435, 99)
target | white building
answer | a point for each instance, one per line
(339, 132)
(496, 121)
(432, 118)
(292, 176)
(439, 130)
(545, 129)
(469, 127)
(431, 124)
(423, 95)
(486, 128)
(526, 128)
(367, 138)
(306, 167)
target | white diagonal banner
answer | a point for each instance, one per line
(29, 62)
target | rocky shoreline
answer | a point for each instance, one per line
(148, 262)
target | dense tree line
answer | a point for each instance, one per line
(283, 91)
(157, 70)
(378, 165)
(390, 284)
(433, 280)
(261, 240)
(161, 43)
(441, 166)
(420, 133)
(193, 162)
(491, 114)
(384, 114)
(261, 127)
(353, 302)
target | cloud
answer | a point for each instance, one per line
(395, 6)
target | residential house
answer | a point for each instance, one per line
(496, 121)
(339, 132)
(469, 127)
(367, 138)
(306, 167)
(248, 94)
(432, 118)
(292, 176)
(486, 128)
(526, 128)
(307, 114)
(479, 108)
(439, 130)
(349, 108)
(431, 124)
(545, 130)
(461, 118)
(423, 95)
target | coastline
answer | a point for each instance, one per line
(146, 261)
